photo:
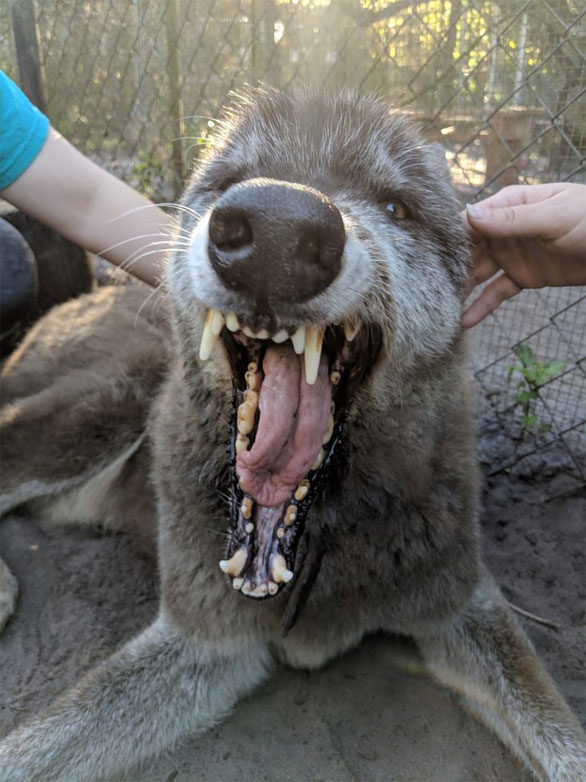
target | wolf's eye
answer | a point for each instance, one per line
(395, 208)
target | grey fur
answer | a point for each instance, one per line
(403, 523)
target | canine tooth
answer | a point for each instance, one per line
(246, 508)
(314, 336)
(217, 322)
(280, 533)
(291, 515)
(246, 418)
(241, 442)
(237, 583)
(280, 573)
(302, 490)
(208, 338)
(273, 588)
(232, 322)
(298, 340)
(335, 377)
(235, 565)
(351, 329)
(329, 431)
(280, 336)
(249, 528)
(319, 459)
(252, 367)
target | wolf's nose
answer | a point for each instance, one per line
(276, 241)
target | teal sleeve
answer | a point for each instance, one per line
(23, 131)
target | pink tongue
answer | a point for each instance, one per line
(293, 419)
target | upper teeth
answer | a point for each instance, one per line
(306, 339)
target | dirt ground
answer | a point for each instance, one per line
(371, 715)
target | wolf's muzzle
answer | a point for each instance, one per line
(275, 241)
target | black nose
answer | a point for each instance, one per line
(275, 241)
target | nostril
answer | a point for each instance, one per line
(229, 230)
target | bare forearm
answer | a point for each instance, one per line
(65, 190)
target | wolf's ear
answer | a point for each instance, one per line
(436, 155)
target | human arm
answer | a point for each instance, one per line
(530, 236)
(70, 193)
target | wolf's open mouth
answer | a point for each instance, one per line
(291, 392)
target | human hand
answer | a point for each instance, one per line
(529, 236)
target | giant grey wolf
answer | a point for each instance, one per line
(313, 377)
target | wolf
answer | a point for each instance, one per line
(302, 391)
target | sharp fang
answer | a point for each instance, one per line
(280, 573)
(329, 431)
(232, 322)
(280, 336)
(273, 588)
(351, 329)
(208, 338)
(235, 565)
(298, 340)
(313, 343)
(217, 322)
(237, 583)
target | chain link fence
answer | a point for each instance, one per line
(502, 85)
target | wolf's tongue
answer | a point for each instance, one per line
(293, 419)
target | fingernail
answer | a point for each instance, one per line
(478, 212)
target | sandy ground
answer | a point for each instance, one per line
(368, 716)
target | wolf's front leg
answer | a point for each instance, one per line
(156, 690)
(486, 658)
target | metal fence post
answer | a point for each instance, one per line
(175, 99)
(26, 38)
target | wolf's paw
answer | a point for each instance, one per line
(8, 594)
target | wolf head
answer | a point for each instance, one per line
(325, 251)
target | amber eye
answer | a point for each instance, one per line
(395, 209)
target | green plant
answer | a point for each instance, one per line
(534, 374)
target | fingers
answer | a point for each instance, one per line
(499, 290)
(516, 195)
(524, 221)
(483, 269)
